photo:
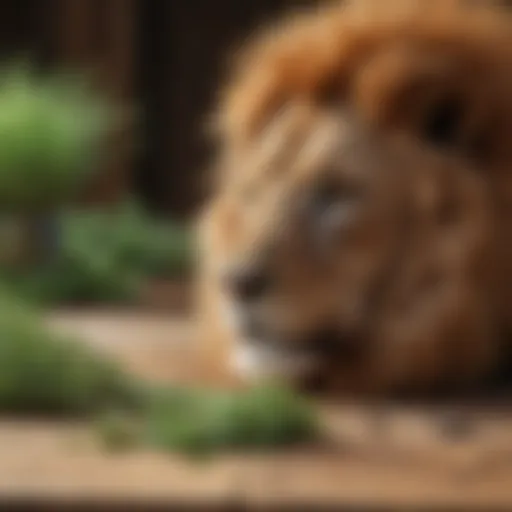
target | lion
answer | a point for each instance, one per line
(355, 238)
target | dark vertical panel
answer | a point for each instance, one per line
(46, 16)
(75, 19)
(115, 55)
(153, 79)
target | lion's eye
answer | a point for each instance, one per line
(442, 123)
(328, 194)
(332, 193)
(334, 204)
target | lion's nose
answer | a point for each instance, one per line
(248, 284)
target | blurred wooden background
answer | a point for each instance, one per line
(165, 57)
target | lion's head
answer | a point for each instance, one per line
(363, 168)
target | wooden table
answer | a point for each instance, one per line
(387, 459)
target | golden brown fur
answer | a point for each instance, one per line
(406, 107)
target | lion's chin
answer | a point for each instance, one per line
(255, 361)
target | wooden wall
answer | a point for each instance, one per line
(184, 44)
(163, 56)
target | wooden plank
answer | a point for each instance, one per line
(116, 73)
(376, 459)
(74, 27)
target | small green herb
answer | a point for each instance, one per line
(51, 132)
(200, 421)
(45, 372)
(104, 257)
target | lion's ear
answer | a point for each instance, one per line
(398, 85)
(434, 97)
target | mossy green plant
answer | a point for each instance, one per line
(200, 422)
(105, 257)
(52, 129)
(43, 372)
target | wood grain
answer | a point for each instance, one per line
(376, 457)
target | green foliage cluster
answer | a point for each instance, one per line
(105, 257)
(42, 372)
(202, 422)
(51, 131)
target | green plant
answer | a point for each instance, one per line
(105, 256)
(199, 421)
(51, 131)
(48, 373)
(134, 239)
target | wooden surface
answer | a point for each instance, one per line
(376, 458)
